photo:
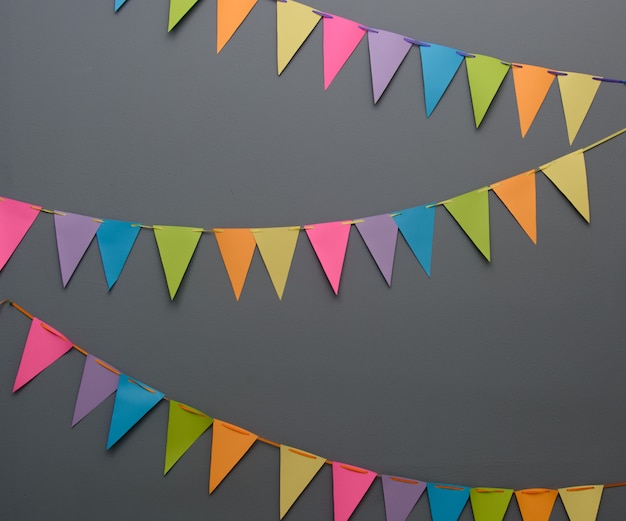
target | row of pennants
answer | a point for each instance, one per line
(388, 50)
(230, 443)
(177, 244)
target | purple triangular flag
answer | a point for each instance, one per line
(380, 234)
(99, 381)
(74, 235)
(387, 51)
(401, 495)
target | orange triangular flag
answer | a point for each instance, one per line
(569, 175)
(519, 195)
(230, 15)
(532, 84)
(237, 248)
(535, 504)
(230, 444)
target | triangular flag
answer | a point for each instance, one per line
(535, 504)
(177, 245)
(297, 469)
(330, 240)
(237, 248)
(99, 381)
(184, 426)
(74, 235)
(230, 15)
(447, 501)
(417, 226)
(400, 496)
(577, 94)
(43, 347)
(115, 240)
(178, 9)
(582, 503)
(490, 504)
(485, 75)
(439, 65)
(341, 37)
(133, 401)
(569, 175)
(380, 234)
(277, 246)
(16, 218)
(349, 486)
(294, 23)
(532, 84)
(119, 3)
(387, 52)
(471, 211)
(519, 195)
(230, 444)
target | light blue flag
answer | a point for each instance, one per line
(118, 4)
(115, 240)
(417, 226)
(439, 65)
(447, 501)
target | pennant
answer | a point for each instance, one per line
(535, 504)
(519, 195)
(115, 240)
(330, 240)
(439, 66)
(184, 426)
(118, 4)
(485, 75)
(400, 496)
(230, 15)
(349, 486)
(490, 504)
(277, 246)
(133, 401)
(297, 469)
(471, 211)
(74, 235)
(99, 381)
(177, 245)
(569, 175)
(16, 218)
(380, 234)
(230, 444)
(341, 37)
(294, 23)
(387, 52)
(447, 501)
(178, 9)
(577, 94)
(237, 248)
(44, 346)
(532, 84)
(582, 503)
(417, 226)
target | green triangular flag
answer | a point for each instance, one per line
(490, 504)
(471, 211)
(178, 9)
(184, 427)
(485, 75)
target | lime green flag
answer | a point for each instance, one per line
(485, 75)
(490, 504)
(277, 246)
(471, 211)
(178, 9)
(569, 175)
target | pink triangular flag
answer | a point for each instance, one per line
(349, 486)
(330, 240)
(341, 37)
(380, 234)
(99, 381)
(16, 218)
(387, 51)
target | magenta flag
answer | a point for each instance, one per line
(330, 241)
(341, 37)
(16, 218)
(349, 486)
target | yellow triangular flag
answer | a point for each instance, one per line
(582, 503)
(471, 211)
(277, 246)
(178, 9)
(569, 175)
(294, 24)
(297, 469)
(230, 15)
(577, 94)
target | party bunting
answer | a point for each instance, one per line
(294, 24)
(519, 195)
(330, 240)
(582, 503)
(387, 52)
(230, 444)
(471, 212)
(341, 37)
(485, 75)
(277, 247)
(178, 9)
(16, 218)
(349, 486)
(230, 15)
(237, 248)
(400, 496)
(417, 226)
(297, 469)
(380, 234)
(569, 175)
(577, 94)
(535, 504)
(115, 240)
(439, 66)
(447, 501)
(532, 84)
(490, 504)
(98, 382)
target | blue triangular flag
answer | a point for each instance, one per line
(417, 226)
(115, 239)
(118, 4)
(439, 65)
(447, 501)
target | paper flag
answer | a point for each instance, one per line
(387, 52)
(43, 347)
(532, 84)
(330, 240)
(535, 504)
(230, 15)
(74, 235)
(447, 501)
(439, 65)
(16, 218)
(230, 443)
(237, 248)
(485, 75)
(178, 9)
(380, 234)
(115, 240)
(400, 496)
(277, 246)
(417, 226)
(577, 94)
(490, 504)
(184, 426)
(133, 401)
(569, 175)
(349, 486)
(582, 503)
(297, 469)
(294, 24)
(471, 211)
(177, 245)
(519, 195)
(118, 4)
(341, 37)
(99, 381)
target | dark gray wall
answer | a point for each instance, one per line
(507, 374)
